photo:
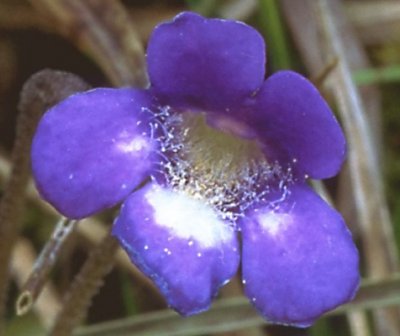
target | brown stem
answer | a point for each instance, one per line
(40, 92)
(85, 286)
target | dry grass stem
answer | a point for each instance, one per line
(235, 289)
(23, 259)
(43, 265)
(372, 207)
(238, 9)
(381, 259)
(19, 16)
(103, 29)
(304, 25)
(377, 22)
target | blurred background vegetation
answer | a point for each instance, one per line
(349, 48)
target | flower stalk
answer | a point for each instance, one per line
(41, 91)
(85, 286)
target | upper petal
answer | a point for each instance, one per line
(205, 64)
(293, 119)
(180, 243)
(92, 149)
(299, 259)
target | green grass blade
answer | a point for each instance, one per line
(387, 74)
(270, 21)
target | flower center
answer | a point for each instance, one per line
(227, 172)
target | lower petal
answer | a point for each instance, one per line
(299, 259)
(180, 243)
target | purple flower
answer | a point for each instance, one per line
(211, 163)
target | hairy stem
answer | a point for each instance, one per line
(40, 92)
(85, 286)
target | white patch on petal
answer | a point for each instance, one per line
(188, 218)
(274, 223)
(134, 145)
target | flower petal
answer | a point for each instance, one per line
(291, 116)
(180, 243)
(205, 64)
(91, 150)
(299, 260)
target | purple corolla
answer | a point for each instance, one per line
(211, 163)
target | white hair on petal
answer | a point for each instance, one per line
(226, 172)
